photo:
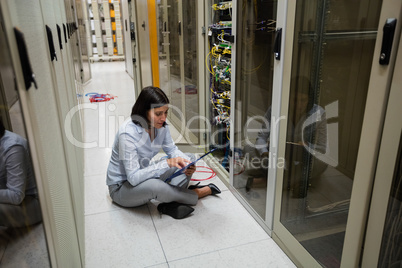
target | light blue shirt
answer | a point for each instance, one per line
(133, 151)
(16, 174)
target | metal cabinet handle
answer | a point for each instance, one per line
(179, 29)
(65, 33)
(59, 35)
(277, 44)
(29, 76)
(52, 50)
(387, 40)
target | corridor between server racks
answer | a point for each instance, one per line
(219, 233)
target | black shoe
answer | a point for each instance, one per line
(175, 210)
(214, 189)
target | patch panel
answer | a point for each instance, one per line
(219, 64)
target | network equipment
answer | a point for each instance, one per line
(219, 62)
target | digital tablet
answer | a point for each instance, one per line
(180, 171)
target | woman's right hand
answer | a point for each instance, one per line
(178, 162)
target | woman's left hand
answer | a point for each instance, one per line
(190, 170)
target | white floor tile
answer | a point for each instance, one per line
(3, 242)
(101, 121)
(97, 199)
(96, 161)
(163, 265)
(27, 248)
(122, 238)
(218, 222)
(219, 233)
(263, 253)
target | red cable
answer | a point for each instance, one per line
(242, 168)
(210, 177)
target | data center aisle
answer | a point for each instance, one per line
(219, 233)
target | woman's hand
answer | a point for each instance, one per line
(178, 162)
(190, 170)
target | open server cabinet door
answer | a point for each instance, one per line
(334, 94)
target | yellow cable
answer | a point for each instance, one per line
(255, 68)
(255, 9)
(206, 64)
(227, 107)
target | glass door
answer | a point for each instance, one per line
(382, 247)
(390, 253)
(323, 153)
(190, 82)
(163, 41)
(178, 24)
(385, 218)
(256, 23)
(22, 233)
(134, 48)
(174, 88)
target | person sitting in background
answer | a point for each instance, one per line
(307, 128)
(19, 205)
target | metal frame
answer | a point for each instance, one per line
(179, 123)
(385, 170)
(280, 234)
(368, 150)
(58, 255)
(369, 143)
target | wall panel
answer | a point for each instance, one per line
(42, 116)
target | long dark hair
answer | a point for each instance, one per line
(2, 128)
(149, 98)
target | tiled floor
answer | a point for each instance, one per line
(23, 247)
(219, 233)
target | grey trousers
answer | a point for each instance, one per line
(127, 195)
(25, 214)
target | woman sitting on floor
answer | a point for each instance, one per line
(133, 180)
